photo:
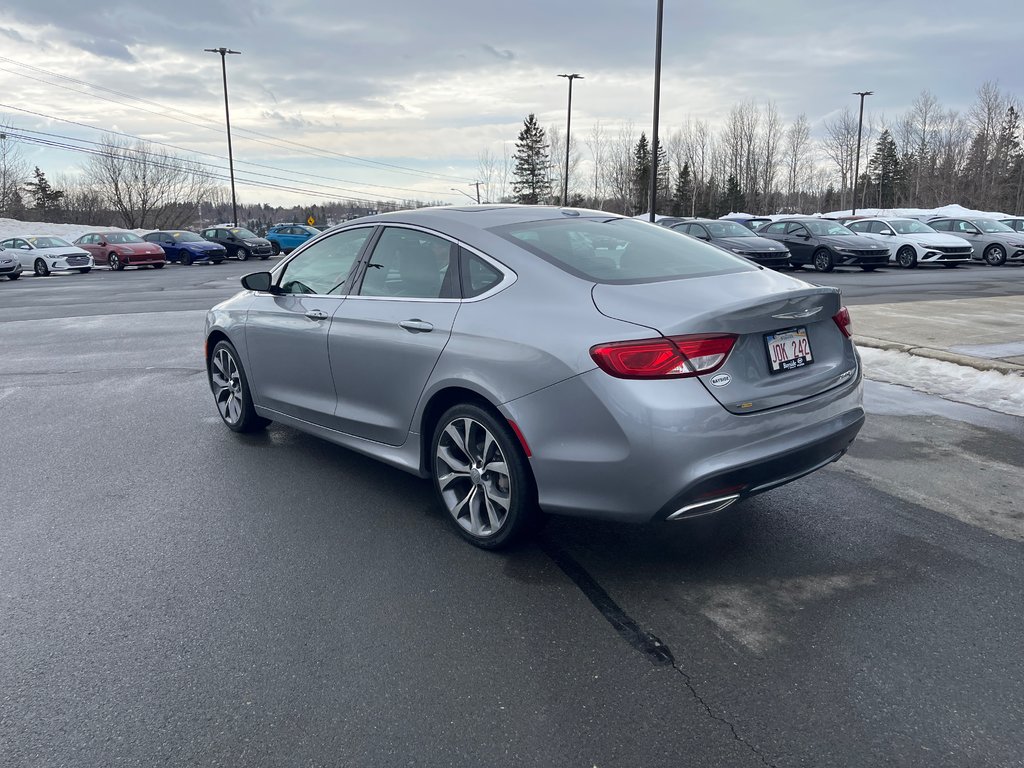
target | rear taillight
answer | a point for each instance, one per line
(674, 357)
(842, 318)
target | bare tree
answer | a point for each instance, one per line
(796, 157)
(596, 143)
(770, 140)
(148, 186)
(13, 174)
(840, 145)
(621, 168)
(487, 172)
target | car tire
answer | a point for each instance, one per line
(114, 263)
(231, 393)
(823, 261)
(995, 255)
(84, 270)
(159, 266)
(14, 277)
(264, 257)
(241, 254)
(869, 267)
(467, 440)
(954, 265)
(906, 257)
(276, 246)
(40, 268)
(186, 259)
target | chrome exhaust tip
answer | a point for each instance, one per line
(708, 507)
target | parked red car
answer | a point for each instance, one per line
(120, 249)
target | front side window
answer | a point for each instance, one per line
(411, 264)
(123, 238)
(824, 227)
(966, 227)
(858, 226)
(942, 226)
(728, 229)
(619, 250)
(796, 229)
(324, 267)
(910, 227)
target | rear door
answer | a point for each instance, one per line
(386, 338)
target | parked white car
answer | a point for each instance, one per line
(44, 254)
(912, 242)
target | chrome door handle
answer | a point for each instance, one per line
(316, 314)
(416, 325)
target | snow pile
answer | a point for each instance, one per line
(996, 391)
(69, 232)
(920, 213)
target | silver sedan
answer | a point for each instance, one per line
(535, 359)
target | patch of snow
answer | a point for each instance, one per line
(1002, 392)
(920, 213)
(69, 232)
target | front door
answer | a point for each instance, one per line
(286, 332)
(386, 338)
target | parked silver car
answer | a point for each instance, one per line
(535, 359)
(911, 242)
(992, 240)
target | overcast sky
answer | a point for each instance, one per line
(427, 86)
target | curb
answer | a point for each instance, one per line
(979, 363)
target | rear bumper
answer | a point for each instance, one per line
(637, 451)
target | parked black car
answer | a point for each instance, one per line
(825, 244)
(239, 242)
(733, 236)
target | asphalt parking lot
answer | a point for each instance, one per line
(173, 593)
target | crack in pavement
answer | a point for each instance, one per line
(640, 639)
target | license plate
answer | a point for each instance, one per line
(788, 350)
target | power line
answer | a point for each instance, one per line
(207, 154)
(206, 123)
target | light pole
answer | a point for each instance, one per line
(453, 189)
(652, 200)
(568, 124)
(227, 119)
(856, 161)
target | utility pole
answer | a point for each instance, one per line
(568, 124)
(477, 185)
(227, 120)
(653, 197)
(856, 161)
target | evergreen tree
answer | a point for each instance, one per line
(45, 198)
(682, 193)
(733, 200)
(664, 199)
(1009, 170)
(885, 173)
(641, 173)
(532, 171)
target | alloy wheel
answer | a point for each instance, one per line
(40, 268)
(227, 386)
(995, 255)
(473, 477)
(113, 262)
(906, 257)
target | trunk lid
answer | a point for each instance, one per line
(754, 306)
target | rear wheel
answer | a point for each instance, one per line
(481, 477)
(231, 391)
(84, 270)
(823, 260)
(40, 268)
(995, 255)
(159, 266)
(906, 257)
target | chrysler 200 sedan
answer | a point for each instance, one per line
(535, 359)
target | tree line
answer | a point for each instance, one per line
(927, 157)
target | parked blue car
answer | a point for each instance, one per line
(287, 237)
(187, 247)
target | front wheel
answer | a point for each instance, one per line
(159, 266)
(230, 387)
(14, 277)
(242, 254)
(84, 270)
(276, 246)
(869, 267)
(40, 268)
(186, 259)
(482, 478)
(995, 255)
(823, 261)
(114, 262)
(954, 265)
(906, 257)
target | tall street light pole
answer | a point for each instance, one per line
(227, 119)
(653, 197)
(568, 124)
(856, 161)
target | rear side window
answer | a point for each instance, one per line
(620, 250)
(477, 275)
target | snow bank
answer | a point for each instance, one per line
(920, 213)
(70, 232)
(996, 391)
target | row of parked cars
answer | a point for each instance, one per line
(865, 242)
(118, 249)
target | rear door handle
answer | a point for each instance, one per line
(416, 325)
(316, 314)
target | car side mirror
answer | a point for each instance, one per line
(888, 232)
(257, 281)
(102, 243)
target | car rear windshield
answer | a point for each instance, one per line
(620, 250)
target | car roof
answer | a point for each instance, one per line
(483, 216)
